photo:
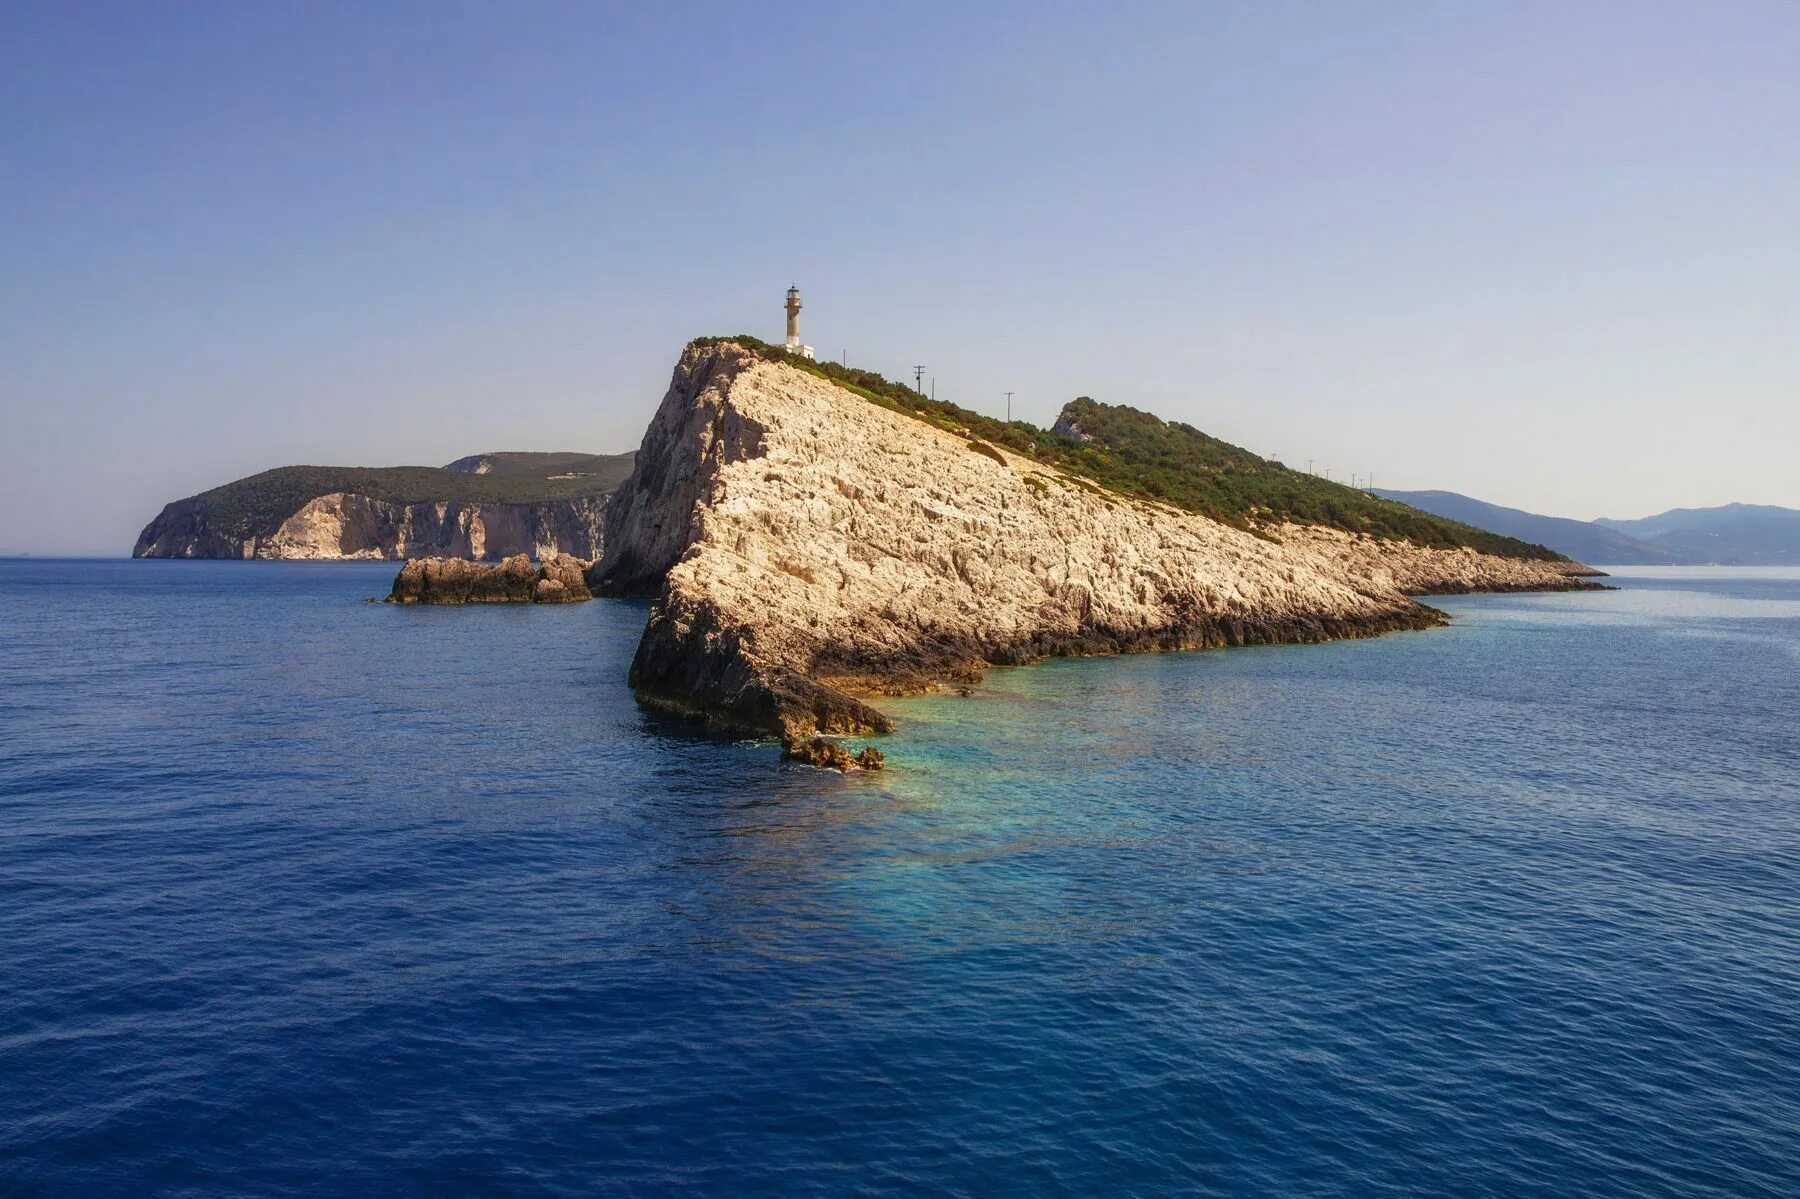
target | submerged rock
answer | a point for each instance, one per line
(831, 755)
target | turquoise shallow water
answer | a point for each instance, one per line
(301, 896)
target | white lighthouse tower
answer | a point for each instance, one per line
(793, 325)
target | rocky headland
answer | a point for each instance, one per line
(488, 507)
(813, 546)
(341, 526)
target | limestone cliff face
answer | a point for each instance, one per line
(810, 548)
(347, 526)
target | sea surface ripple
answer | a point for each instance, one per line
(306, 897)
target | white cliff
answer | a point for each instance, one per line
(344, 525)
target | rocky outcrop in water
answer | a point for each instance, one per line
(561, 579)
(827, 754)
(558, 579)
(810, 548)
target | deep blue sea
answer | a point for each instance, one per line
(305, 896)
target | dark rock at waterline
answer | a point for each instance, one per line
(831, 755)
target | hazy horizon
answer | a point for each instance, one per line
(1544, 256)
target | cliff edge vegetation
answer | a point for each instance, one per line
(1133, 452)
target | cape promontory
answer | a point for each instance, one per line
(486, 506)
(817, 538)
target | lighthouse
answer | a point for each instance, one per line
(793, 325)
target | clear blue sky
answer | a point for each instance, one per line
(1547, 254)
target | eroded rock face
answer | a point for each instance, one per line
(812, 547)
(513, 581)
(345, 525)
(562, 579)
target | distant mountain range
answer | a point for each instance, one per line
(1582, 540)
(1736, 534)
(1731, 535)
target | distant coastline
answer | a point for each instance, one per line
(1727, 535)
(485, 506)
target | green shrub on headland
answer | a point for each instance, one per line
(1136, 453)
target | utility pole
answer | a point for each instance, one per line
(1009, 396)
(919, 379)
(1309, 469)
